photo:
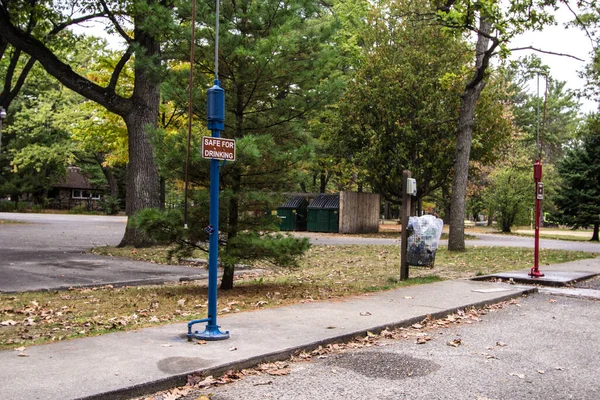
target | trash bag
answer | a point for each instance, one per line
(423, 237)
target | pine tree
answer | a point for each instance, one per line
(578, 199)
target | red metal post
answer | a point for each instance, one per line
(539, 195)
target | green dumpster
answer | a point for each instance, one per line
(324, 213)
(293, 214)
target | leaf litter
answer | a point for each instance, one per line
(419, 332)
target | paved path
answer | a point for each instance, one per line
(47, 252)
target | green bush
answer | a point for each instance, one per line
(110, 205)
(7, 206)
(78, 210)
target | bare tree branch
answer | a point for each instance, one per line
(546, 52)
(581, 24)
(60, 27)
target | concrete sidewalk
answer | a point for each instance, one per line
(123, 365)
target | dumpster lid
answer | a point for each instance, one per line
(294, 202)
(326, 201)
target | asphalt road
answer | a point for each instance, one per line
(46, 252)
(545, 348)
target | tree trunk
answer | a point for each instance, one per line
(143, 188)
(323, 179)
(466, 122)
(233, 211)
(233, 227)
(595, 235)
(227, 279)
(113, 187)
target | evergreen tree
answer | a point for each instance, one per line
(578, 198)
(274, 61)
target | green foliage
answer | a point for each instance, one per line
(557, 124)
(80, 209)
(577, 198)
(507, 20)
(401, 108)
(167, 227)
(510, 196)
(110, 205)
(37, 149)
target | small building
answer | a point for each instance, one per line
(293, 214)
(75, 190)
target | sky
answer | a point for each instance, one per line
(559, 39)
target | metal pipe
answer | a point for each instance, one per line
(190, 114)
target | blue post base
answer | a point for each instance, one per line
(211, 332)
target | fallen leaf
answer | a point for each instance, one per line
(455, 343)
(365, 314)
(23, 355)
(181, 302)
(423, 339)
(541, 371)
(176, 393)
(200, 341)
(194, 380)
(166, 345)
(259, 383)
(520, 376)
(500, 344)
(559, 368)
(279, 372)
(9, 322)
(408, 297)
(417, 326)
(552, 301)
(22, 348)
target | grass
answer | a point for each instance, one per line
(8, 222)
(326, 272)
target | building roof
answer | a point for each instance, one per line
(326, 201)
(294, 202)
(75, 179)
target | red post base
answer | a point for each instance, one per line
(535, 273)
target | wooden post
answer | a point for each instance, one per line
(406, 200)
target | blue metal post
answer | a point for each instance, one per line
(216, 123)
